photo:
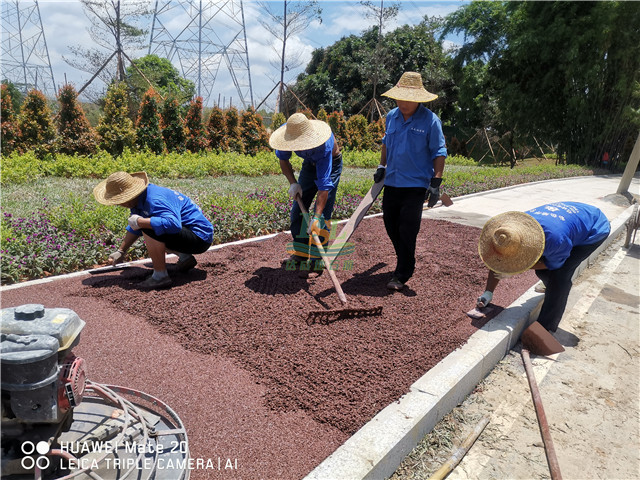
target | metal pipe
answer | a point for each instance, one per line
(549, 450)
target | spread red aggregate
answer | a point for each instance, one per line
(228, 347)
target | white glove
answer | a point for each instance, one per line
(502, 276)
(484, 299)
(295, 189)
(133, 221)
(116, 257)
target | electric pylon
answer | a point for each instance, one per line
(25, 56)
(209, 34)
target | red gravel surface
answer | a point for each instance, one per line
(229, 349)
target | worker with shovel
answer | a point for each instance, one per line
(313, 141)
(552, 239)
(411, 164)
(168, 220)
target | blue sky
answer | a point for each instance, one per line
(65, 24)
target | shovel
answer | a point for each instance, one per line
(109, 268)
(539, 341)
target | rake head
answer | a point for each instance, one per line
(325, 317)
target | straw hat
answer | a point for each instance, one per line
(409, 88)
(300, 133)
(511, 242)
(120, 187)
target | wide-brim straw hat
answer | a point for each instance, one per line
(410, 89)
(120, 187)
(300, 133)
(511, 242)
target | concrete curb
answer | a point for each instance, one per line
(376, 450)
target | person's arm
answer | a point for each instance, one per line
(118, 256)
(438, 166)
(382, 167)
(287, 170)
(487, 296)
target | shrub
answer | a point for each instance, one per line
(148, 134)
(322, 115)
(254, 135)
(217, 130)
(358, 134)
(115, 127)
(75, 134)
(338, 126)
(233, 131)
(172, 126)
(376, 132)
(277, 120)
(194, 126)
(36, 128)
(8, 125)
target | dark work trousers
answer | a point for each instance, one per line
(184, 241)
(307, 181)
(402, 214)
(558, 285)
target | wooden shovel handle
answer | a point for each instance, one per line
(325, 259)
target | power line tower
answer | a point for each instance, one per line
(204, 35)
(25, 56)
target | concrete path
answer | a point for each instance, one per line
(376, 450)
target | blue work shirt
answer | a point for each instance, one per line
(412, 145)
(170, 211)
(321, 157)
(567, 225)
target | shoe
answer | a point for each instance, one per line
(540, 287)
(186, 264)
(395, 284)
(153, 284)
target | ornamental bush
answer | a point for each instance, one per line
(148, 133)
(376, 132)
(8, 123)
(194, 127)
(75, 134)
(116, 128)
(277, 120)
(233, 131)
(338, 126)
(217, 130)
(172, 126)
(254, 135)
(35, 125)
(358, 134)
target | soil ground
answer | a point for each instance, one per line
(229, 349)
(589, 393)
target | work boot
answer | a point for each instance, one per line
(153, 284)
(186, 264)
(395, 284)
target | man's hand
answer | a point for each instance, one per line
(133, 221)
(433, 192)
(315, 225)
(116, 257)
(380, 172)
(295, 189)
(484, 299)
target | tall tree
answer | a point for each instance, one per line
(116, 28)
(194, 126)
(582, 91)
(8, 124)
(294, 18)
(160, 74)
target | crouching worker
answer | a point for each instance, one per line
(552, 239)
(168, 220)
(313, 141)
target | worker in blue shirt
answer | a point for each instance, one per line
(552, 239)
(313, 141)
(411, 164)
(168, 220)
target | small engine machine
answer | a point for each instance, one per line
(58, 424)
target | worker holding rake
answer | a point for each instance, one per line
(313, 141)
(411, 164)
(168, 220)
(552, 239)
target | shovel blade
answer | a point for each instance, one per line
(477, 313)
(539, 341)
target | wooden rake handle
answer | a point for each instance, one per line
(323, 254)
